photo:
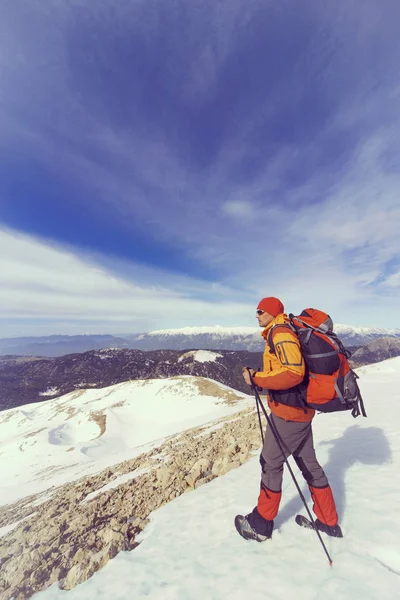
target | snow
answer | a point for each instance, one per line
(211, 330)
(81, 433)
(7, 528)
(191, 551)
(201, 356)
(49, 392)
(115, 483)
(220, 331)
(341, 329)
(106, 353)
(214, 427)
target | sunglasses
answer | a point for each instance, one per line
(260, 312)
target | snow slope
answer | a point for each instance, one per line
(80, 433)
(191, 551)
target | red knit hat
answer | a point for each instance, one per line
(271, 305)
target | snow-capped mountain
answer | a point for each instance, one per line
(358, 336)
(186, 338)
(242, 338)
(211, 338)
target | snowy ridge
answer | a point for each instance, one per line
(219, 330)
(245, 338)
(86, 430)
(341, 329)
(207, 559)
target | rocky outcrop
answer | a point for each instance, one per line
(68, 537)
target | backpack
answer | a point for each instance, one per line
(329, 384)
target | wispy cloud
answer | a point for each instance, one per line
(54, 285)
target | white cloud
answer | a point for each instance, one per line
(50, 284)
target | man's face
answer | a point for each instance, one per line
(264, 318)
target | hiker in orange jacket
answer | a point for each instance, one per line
(283, 371)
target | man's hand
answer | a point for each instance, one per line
(246, 375)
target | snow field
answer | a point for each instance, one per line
(191, 551)
(60, 440)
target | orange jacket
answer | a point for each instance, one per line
(283, 370)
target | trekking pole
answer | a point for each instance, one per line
(279, 442)
(259, 415)
(259, 421)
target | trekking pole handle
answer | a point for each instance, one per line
(250, 374)
(252, 383)
(254, 388)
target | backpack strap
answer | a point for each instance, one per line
(308, 329)
(299, 387)
(357, 402)
(338, 381)
(270, 340)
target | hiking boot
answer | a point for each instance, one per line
(332, 530)
(246, 530)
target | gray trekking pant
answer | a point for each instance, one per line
(297, 440)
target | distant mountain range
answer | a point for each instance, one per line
(58, 345)
(33, 379)
(186, 338)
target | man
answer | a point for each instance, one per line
(283, 371)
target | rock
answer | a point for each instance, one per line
(71, 579)
(109, 536)
(221, 466)
(201, 467)
(164, 475)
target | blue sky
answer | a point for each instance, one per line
(165, 164)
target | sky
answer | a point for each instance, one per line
(168, 164)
